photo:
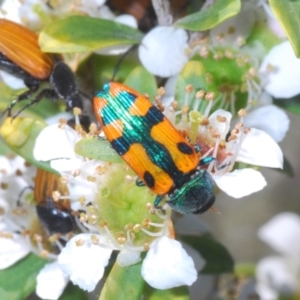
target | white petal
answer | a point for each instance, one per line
(12, 250)
(51, 282)
(162, 51)
(167, 265)
(5, 166)
(62, 165)
(282, 233)
(114, 50)
(128, 20)
(271, 119)
(276, 28)
(260, 149)
(10, 10)
(240, 183)
(127, 258)
(274, 276)
(283, 81)
(12, 81)
(54, 142)
(84, 264)
(104, 12)
(272, 21)
(265, 99)
(221, 127)
(91, 7)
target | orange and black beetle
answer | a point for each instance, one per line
(55, 216)
(21, 56)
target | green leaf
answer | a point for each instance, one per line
(218, 260)
(19, 280)
(193, 73)
(288, 167)
(287, 12)
(123, 283)
(95, 148)
(179, 293)
(81, 33)
(20, 135)
(211, 16)
(142, 81)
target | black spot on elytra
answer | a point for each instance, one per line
(184, 148)
(149, 179)
(121, 145)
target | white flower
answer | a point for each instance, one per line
(279, 275)
(234, 31)
(163, 50)
(251, 146)
(280, 69)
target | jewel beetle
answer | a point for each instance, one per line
(55, 216)
(21, 56)
(155, 150)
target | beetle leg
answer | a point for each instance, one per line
(23, 96)
(206, 160)
(139, 182)
(47, 93)
(19, 203)
(157, 201)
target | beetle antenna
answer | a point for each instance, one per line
(117, 67)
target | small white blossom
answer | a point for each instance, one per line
(163, 50)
